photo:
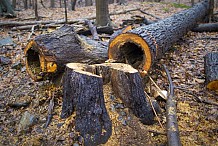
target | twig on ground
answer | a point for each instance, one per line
(50, 110)
(158, 119)
(172, 125)
(198, 99)
(149, 14)
(158, 88)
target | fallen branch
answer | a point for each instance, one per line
(93, 30)
(172, 125)
(16, 23)
(207, 27)
(197, 97)
(50, 111)
(158, 18)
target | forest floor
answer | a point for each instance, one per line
(198, 121)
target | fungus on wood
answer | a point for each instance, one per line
(211, 70)
(48, 53)
(83, 94)
(142, 46)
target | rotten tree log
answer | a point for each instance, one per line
(47, 54)
(211, 70)
(83, 93)
(208, 27)
(142, 46)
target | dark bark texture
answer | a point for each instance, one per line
(83, 93)
(207, 27)
(50, 52)
(211, 70)
(152, 41)
(127, 85)
(6, 9)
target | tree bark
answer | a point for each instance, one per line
(52, 3)
(14, 3)
(36, 10)
(25, 4)
(211, 70)
(142, 46)
(207, 27)
(6, 7)
(47, 54)
(102, 13)
(83, 93)
(73, 5)
(88, 2)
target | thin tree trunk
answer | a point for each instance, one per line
(25, 4)
(52, 3)
(14, 3)
(102, 13)
(65, 9)
(73, 5)
(88, 3)
(36, 11)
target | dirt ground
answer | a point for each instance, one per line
(197, 120)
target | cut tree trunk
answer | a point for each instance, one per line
(47, 54)
(211, 70)
(207, 27)
(142, 46)
(83, 93)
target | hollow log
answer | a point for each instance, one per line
(211, 70)
(142, 46)
(47, 54)
(208, 27)
(83, 93)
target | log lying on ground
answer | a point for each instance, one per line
(47, 54)
(140, 47)
(211, 70)
(208, 27)
(83, 93)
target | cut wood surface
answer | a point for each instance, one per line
(48, 53)
(83, 93)
(211, 70)
(141, 46)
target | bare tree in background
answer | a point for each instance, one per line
(73, 5)
(14, 2)
(88, 3)
(102, 13)
(52, 3)
(111, 1)
(6, 8)
(36, 10)
(25, 4)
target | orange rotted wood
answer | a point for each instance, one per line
(47, 54)
(142, 46)
(211, 70)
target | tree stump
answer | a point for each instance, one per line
(47, 54)
(83, 93)
(211, 70)
(142, 46)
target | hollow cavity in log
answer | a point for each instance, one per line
(155, 39)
